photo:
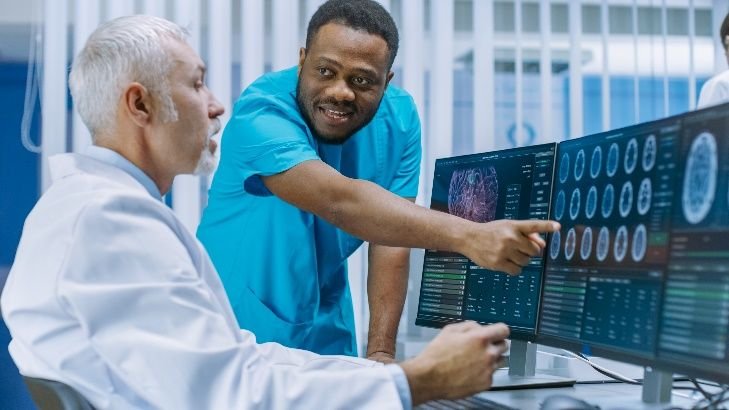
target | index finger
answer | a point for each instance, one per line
(537, 225)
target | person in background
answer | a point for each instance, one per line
(110, 294)
(317, 159)
(716, 89)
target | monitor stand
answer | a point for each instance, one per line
(656, 386)
(522, 370)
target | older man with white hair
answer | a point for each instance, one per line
(111, 295)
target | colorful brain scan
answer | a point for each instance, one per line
(699, 181)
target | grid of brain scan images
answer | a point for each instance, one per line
(695, 317)
(613, 197)
(508, 184)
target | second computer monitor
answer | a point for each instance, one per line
(604, 274)
(508, 184)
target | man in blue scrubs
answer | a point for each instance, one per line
(316, 159)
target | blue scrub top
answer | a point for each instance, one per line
(285, 269)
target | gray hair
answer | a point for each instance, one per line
(119, 52)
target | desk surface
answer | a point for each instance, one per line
(609, 396)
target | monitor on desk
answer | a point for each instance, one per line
(509, 184)
(693, 335)
(605, 268)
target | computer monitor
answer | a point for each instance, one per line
(694, 322)
(603, 282)
(509, 184)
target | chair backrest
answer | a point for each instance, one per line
(52, 395)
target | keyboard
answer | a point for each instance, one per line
(473, 402)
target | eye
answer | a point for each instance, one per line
(361, 81)
(325, 72)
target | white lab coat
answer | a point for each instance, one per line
(110, 294)
(714, 91)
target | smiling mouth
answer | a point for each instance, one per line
(334, 115)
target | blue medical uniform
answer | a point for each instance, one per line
(285, 269)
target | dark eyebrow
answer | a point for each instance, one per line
(366, 71)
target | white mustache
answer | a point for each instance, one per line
(214, 127)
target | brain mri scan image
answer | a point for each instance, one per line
(473, 194)
(575, 203)
(620, 248)
(699, 180)
(559, 206)
(586, 244)
(626, 198)
(649, 153)
(640, 243)
(596, 162)
(631, 156)
(564, 168)
(608, 199)
(591, 203)
(644, 196)
(569, 244)
(612, 159)
(603, 243)
(579, 165)
(554, 245)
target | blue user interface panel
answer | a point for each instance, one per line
(509, 184)
(694, 329)
(605, 268)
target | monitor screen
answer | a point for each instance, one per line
(694, 323)
(605, 268)
(508, 184)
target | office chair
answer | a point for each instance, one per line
(52, 395)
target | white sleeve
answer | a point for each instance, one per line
(715, 91)
(158, 328)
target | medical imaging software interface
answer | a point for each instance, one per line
(509, 184)
(695, 317)
(605, 267)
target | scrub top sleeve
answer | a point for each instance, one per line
(407, 176)
(266, 143)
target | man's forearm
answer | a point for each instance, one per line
(387, 283)
(376, 215)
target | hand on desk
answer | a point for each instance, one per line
(459, 362)
(505, 245)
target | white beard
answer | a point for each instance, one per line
(207, 162)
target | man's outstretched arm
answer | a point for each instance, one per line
(374, 214)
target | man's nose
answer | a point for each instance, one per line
(215, 109)
(341, 91)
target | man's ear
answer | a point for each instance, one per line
(302, 57)
(137, 103)
(389, 77)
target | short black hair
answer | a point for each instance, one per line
(367, 15)
(724, 32)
